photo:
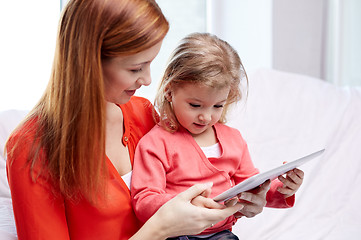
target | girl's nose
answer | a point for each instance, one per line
(205, 117)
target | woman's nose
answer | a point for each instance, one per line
(146, 78)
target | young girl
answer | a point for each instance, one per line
(191, 144)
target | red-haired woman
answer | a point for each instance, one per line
(70, 160)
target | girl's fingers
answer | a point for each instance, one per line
(299, 173)
(231, 202)
(292, 182)
(288, 183)
(221, 214)
(254, 201)
(286, 191)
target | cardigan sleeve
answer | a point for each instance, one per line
(149, 176)
(276, 199)
(247, 169)
(39, 214)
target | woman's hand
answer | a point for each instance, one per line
(204, 201)
(291, 183)
(253, 201)
(180, 217)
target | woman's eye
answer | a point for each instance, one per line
(136, 70)
(218, 106)
(194, 105)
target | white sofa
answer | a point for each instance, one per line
(8, 121)
(286, 116)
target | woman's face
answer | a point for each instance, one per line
(124, 75)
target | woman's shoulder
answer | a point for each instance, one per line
(21, 141)
(138, 114)
(138, 104)
(138, 108)
(25, 131)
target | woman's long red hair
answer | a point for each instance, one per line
(70, 117)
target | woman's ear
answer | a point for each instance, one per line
(168, 94)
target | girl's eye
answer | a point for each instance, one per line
(136, 70)
(194, 105)
(218, 106)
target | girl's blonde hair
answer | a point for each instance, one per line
(201, 58)
(70, 117)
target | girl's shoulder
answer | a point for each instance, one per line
(229, 134)
(221, 127)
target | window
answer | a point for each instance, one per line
(28, 37)
(185, 17)
(27, 45)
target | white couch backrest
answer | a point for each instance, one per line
(8, 121)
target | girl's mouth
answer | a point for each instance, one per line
(199, 125)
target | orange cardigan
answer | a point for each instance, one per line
(41, 213)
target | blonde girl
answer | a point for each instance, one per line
(191, 144)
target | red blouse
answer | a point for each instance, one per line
(42, 214)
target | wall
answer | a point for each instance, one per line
(247, 26)
(298, 36)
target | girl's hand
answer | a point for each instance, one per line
(180, 217)
(291, 183)
(253, 201)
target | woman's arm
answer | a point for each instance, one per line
(179, 217)
(39, 214)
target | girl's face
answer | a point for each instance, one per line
(125, 74)
(198, 107)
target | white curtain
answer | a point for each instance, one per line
(343, 54)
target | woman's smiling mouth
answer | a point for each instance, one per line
(130, 92)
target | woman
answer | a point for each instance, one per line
(70, 159)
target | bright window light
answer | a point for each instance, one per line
(27, 45)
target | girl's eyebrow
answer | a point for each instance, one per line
(194, 99)
(199, 100)
(222, 101)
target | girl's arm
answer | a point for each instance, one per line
(148, 181)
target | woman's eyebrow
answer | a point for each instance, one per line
(142, 63)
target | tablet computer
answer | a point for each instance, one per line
(260, 178)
